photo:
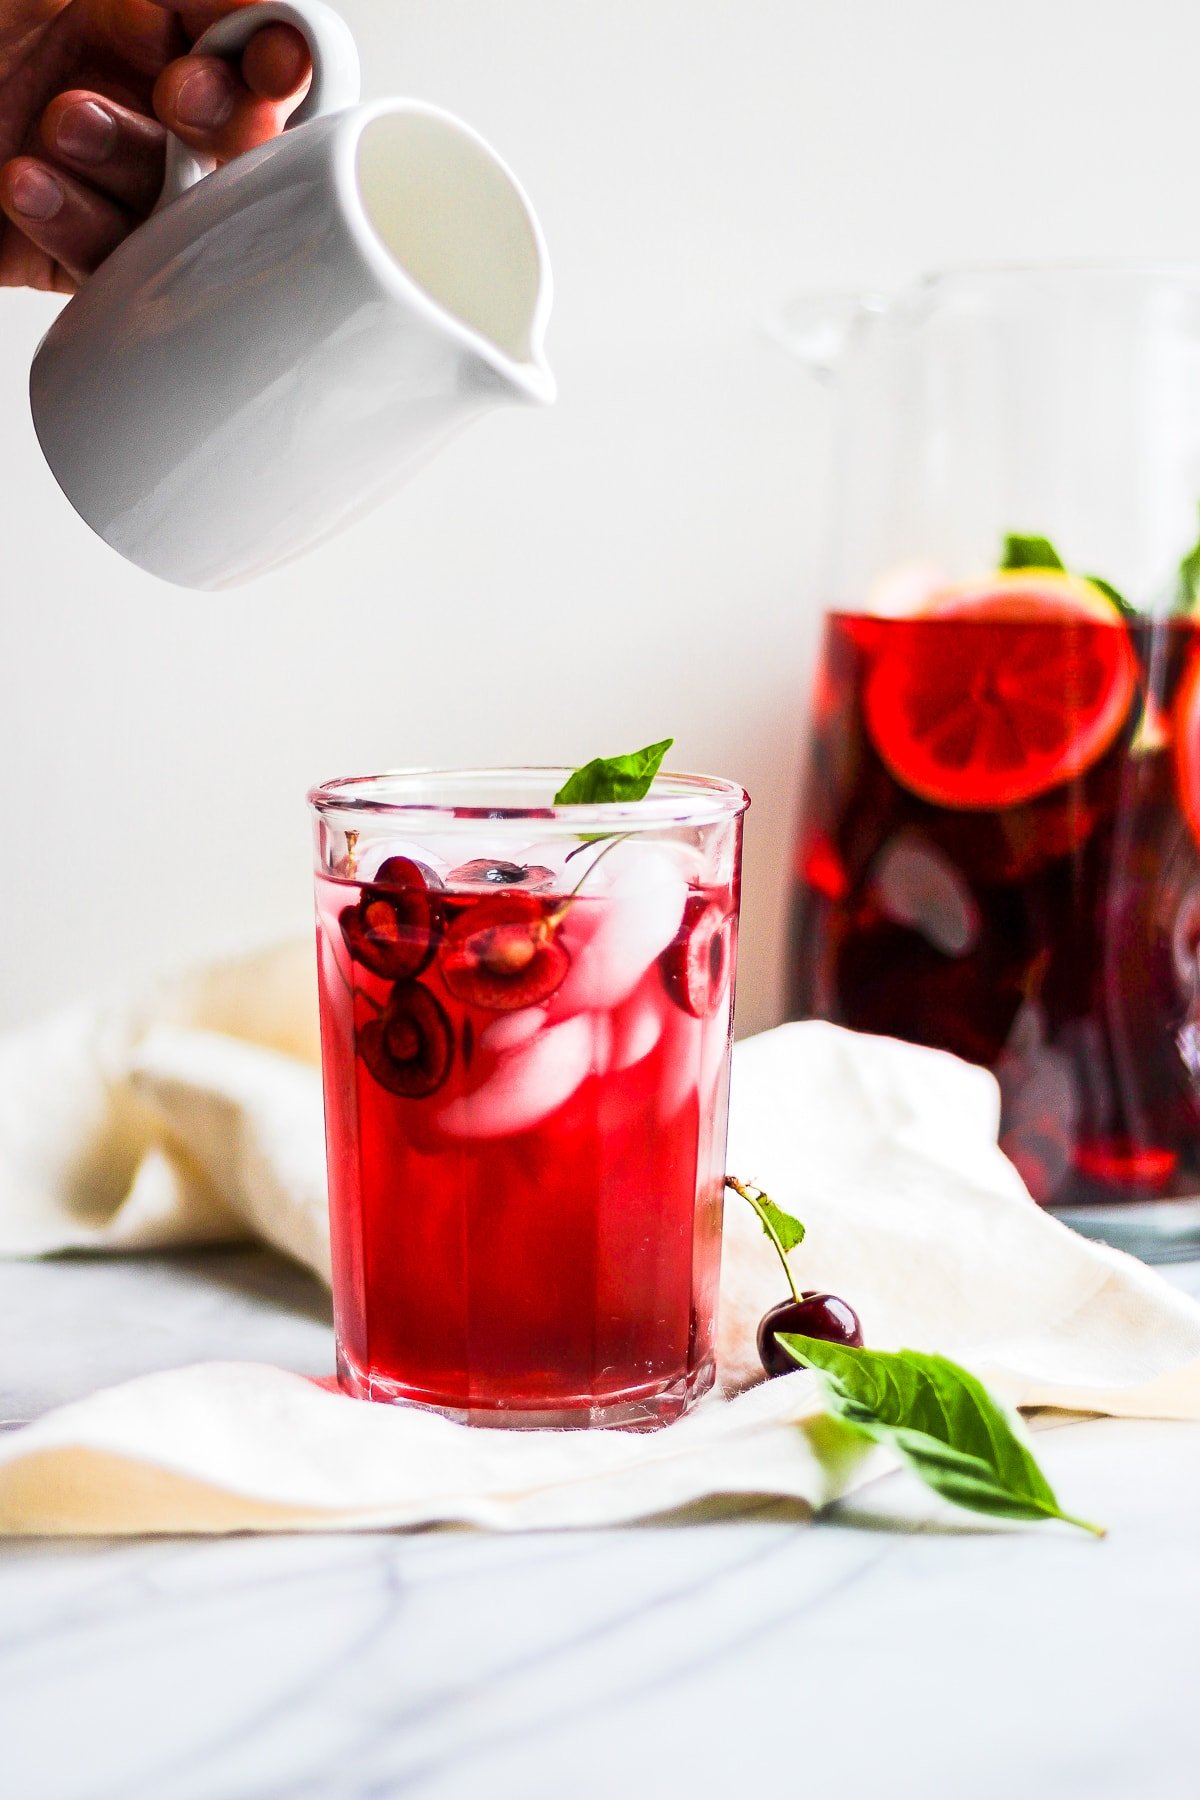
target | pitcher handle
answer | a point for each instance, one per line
(336, 78)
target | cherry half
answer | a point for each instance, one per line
(695, 966)
(410, 1046)
(813, 1315)
(484, 874)
(394, 927)
(503, 954)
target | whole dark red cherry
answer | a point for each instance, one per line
(814, 1315)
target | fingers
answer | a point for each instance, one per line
(116, 150)
(217, 109)
(22, 264)
(73, 224)
(276, 64)
(21, 19)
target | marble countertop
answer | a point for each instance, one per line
(894, 1649)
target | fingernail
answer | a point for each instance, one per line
(85, 132)
(35, 193)
(205, 99)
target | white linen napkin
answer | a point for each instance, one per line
(195, 1115)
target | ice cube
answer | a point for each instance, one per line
(682, 1048)
(553, 854)
(918, 886)
(602, 1042)
(527, 1084)
(631, 906)
(637, 1026)
(511, 1029)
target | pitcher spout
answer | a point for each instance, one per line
(459, 232)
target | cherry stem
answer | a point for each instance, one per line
(556, 918)
(755, 1196)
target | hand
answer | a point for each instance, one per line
(81, 147)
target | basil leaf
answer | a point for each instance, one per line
(1187, 591)
(1029, 552)
(941, 1420)
(1119, 601)
(613, 777)
(1033, 552)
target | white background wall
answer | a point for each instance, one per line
(642, 560)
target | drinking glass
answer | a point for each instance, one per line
(999, 843)
(525, 1029)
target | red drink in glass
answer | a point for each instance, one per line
(526, 1072)
(999, 857)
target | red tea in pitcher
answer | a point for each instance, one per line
(999, 857)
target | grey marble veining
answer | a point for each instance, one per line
(73, 1324)
(896, 1649)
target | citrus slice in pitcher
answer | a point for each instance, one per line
(1186, 721)
(1001, 690)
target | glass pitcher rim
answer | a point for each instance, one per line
(818, 325)
(1125, 267)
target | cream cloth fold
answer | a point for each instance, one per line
(194, 1115)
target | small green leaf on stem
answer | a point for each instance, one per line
(941, 1421)
(784, 1231)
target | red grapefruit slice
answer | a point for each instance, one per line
(1001, 690)
(1187, 743)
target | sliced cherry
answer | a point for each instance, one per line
(394, 928)
(695, 966)
(503, 954)
(410, 1047)
(406, 872)
(484, 874)
(817, 1316)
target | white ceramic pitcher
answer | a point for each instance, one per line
(285, 337)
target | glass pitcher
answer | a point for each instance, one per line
(999, 843)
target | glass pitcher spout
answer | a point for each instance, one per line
(817, 328)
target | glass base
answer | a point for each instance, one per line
(637, 1409)
(1158, 1231)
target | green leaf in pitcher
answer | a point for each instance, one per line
(1028, 551)
(1187, 589)
(1110, 593)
